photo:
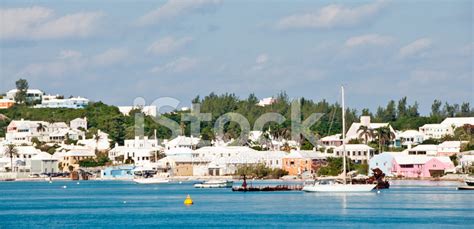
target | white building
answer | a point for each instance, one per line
(147, 110)
(428, 149)
(353, 132)
(356, 152)
(448, 148)
(226, 160)
(44, 163)
(411, 137)
(446, 127)
(78, 123)
(102, 144)
(31, 94)
(22, 131)
(22, 158)
(74, 103)
(331, 141)
(266, 101)
(141, 150)
(181, 142)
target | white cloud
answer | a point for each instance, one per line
(262, 58)
(369, 39)
(179, 65)
(69, 54)
(175, 8)
(423, 76)
(331, 16)
(71, 61)
(168, 45)
(110, 56)
(415, 48)
(38, 23)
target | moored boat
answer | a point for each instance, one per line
(469, 184)
(153, 180)
(326, 185)
(215, 184)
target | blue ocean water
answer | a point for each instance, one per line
(121, 204)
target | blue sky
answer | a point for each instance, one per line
(115, 51)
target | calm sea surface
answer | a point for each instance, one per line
(120, 204)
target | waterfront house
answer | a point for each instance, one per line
(384, 162)
(117, 172)
(140, 151)
(298, 162)
(44, 163)
(180, 165)
(70, 160)
(356, 152)
(420, 166)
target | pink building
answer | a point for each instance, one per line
(421, 166)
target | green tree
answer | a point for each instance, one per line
(384, 136)
(22, 88)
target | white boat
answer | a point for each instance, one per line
(153, 180)
(215, 184)
(332, 185)
(469, 181)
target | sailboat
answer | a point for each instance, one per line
(331, 185)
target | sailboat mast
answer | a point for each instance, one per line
(343, 135)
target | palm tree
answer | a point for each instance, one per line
(11, 151)
(366, 132)
(384, 135)
(97, 138)
(40, 127)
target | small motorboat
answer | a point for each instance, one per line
(469, 181)
(469, 184)
(215, 184)
(153, 180)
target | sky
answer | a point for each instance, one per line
(115, 51)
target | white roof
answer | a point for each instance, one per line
(26, 150)
(450, 144)
(443, 159)
(411, 159)
(335, 137)
(43, 156)
(178, 151)
(429, 147)
(459, 121)
(410, 133)
(355, 147)
(183, 140)
(304, 154)
(35, 91)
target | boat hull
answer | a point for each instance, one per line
(339, 188)
(223, 184)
